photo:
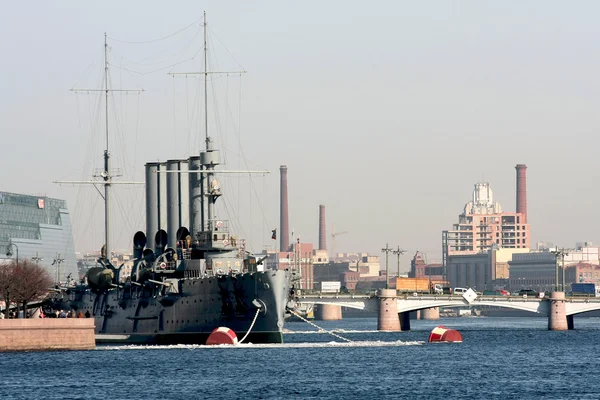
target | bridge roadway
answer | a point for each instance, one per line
(408, 303)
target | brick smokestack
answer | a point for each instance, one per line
(522, 191)
(284, 227)
(322, 229)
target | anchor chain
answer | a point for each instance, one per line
(318, 327)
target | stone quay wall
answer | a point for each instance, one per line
(42, 334)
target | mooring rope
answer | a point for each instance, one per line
(251, 325)
(318, 327)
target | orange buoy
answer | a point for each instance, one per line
(443, 334)
(222, 335)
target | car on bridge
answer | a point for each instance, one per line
(495, 293)
(528, 293)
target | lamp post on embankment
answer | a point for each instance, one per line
(37, 258)
(9, 253)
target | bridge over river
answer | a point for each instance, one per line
(393, 310)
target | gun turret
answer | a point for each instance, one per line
(100, 278)
(260, 261)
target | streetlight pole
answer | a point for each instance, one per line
(399, 252)
(9, 253)
(387, 251)
(563, 254)
(58, 261)
(37, 258)
(559, 253)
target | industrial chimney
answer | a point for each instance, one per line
(522, 191)
(322, 229)
(284, 229)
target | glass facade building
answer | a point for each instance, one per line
(38, 228)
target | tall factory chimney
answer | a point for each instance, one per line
(522, 191)
(284, 228)
(322, 229)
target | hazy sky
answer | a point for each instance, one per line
(386, 112)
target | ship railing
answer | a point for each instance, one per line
(166, 266)
(217, 225)
(220, 239)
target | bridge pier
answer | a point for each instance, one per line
(328, 312)
(387, 316)
(430, 314)
(557, 313)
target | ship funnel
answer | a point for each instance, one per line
(284, 228)
(160, 241)
(139, 242)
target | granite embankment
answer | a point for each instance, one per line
(42, 334)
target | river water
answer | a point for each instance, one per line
(499, 358)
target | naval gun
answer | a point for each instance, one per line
(104, 276)
(100, 278)
(260, 261)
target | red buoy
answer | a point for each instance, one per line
(222, 335)
(443, 334)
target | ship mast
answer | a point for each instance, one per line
(205, 84)
(106, 173)
(213, 192)
(209, 158)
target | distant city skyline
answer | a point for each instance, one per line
(387, 115)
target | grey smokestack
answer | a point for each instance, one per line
(284, 229)
(322, 229)
(522, 191)
(173, 195)
(178, 198)
(196, 200)
(152, 203)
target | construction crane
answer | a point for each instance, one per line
(333, 235)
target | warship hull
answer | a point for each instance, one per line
(188, 310)
(189, 279)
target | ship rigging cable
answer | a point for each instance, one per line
(159, 39)
(142, 63)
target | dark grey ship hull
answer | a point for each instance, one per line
(189, 310)
(190, 273)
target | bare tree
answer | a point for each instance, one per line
(31, 283)
(7, 284)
